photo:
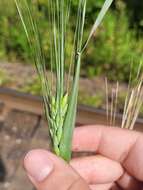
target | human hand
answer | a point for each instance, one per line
(118, 162)
(48, 172)
(117, 165)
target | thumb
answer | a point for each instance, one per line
(46, 171)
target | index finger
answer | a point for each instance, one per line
(117, 144)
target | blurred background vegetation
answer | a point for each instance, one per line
(117, 43)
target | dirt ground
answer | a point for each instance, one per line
(91, 91)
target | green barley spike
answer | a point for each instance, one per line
(60, 105)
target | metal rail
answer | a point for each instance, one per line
(12, 99)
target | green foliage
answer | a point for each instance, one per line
(116, 44)
(96, 100)
(12, 40)
(114, 49)
(33, 87)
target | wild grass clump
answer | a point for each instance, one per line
(132, 104)
(134, 100)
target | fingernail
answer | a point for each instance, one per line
(38, 165)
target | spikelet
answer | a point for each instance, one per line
(57, 116)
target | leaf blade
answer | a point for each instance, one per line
(98, 21)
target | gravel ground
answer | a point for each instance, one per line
(21, 74)
(92, 91)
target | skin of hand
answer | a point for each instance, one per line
(116, 163)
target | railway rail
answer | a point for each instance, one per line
(12, 99)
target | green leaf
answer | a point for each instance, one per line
(98, 21)
(69, 124)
